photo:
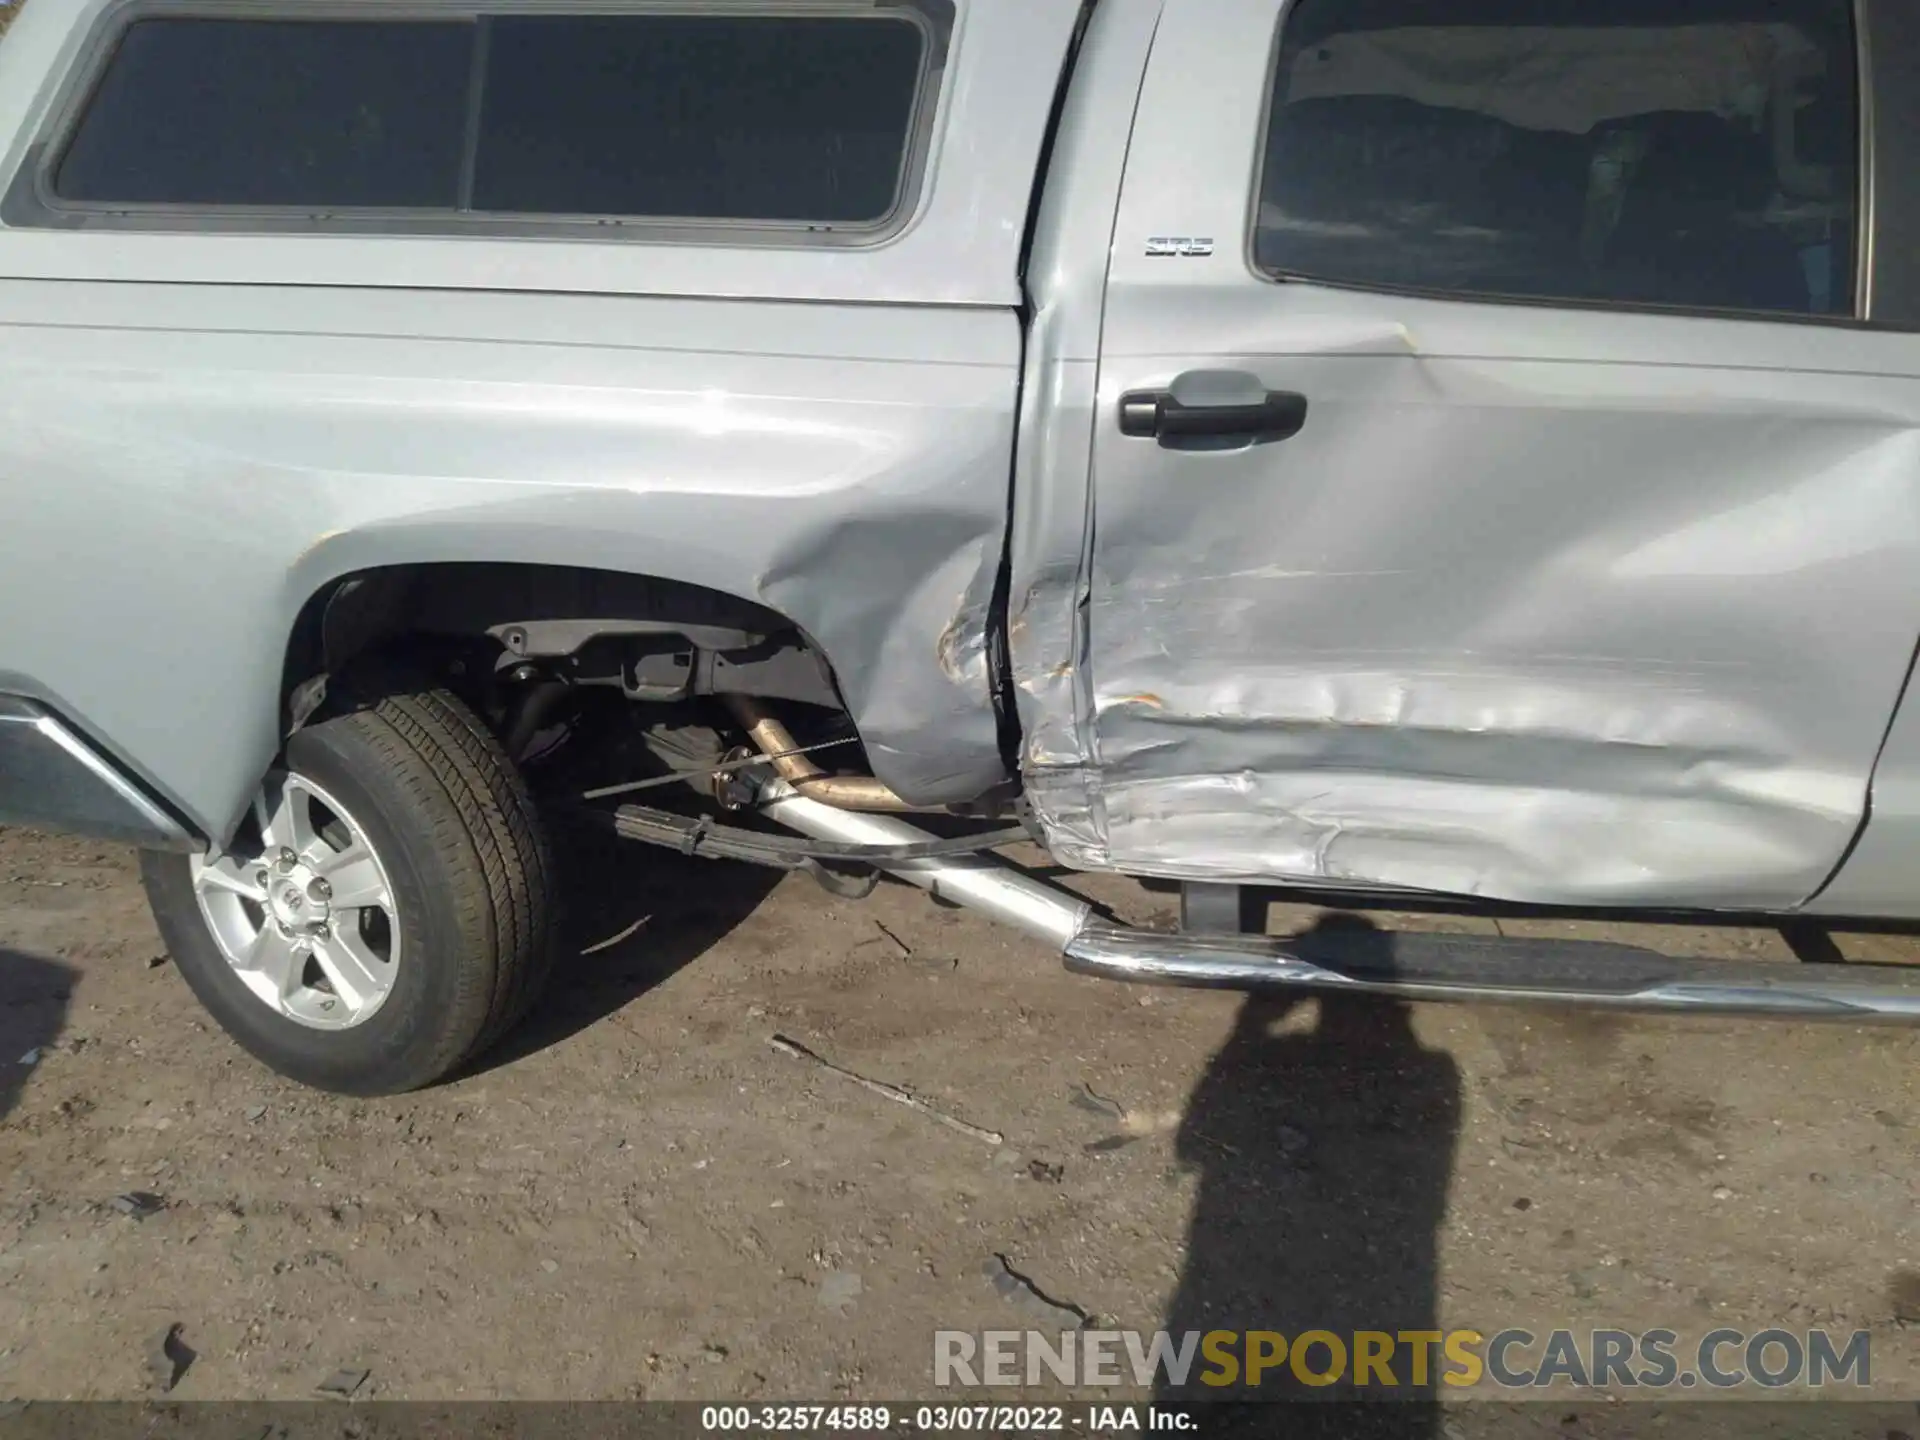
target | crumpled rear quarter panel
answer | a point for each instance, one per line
(186, 466)
(201, 424)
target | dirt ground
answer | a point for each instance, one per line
(643, 1197)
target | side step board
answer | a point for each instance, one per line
(1357, 961)
(1499, 968)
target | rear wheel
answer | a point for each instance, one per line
(386, 911)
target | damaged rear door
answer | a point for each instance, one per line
(1495, 489)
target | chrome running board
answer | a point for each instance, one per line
(1365, 961)
(1508, 969)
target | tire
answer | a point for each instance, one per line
(450, 954)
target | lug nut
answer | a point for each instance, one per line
(288, 859)
(319, 890)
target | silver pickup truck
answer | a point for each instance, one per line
(1365, 446)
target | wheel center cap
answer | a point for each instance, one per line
(295, 901)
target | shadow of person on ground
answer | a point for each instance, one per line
(1324, 1158)
(34, 995)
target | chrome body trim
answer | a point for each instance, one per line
(50, 777)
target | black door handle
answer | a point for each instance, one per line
(1158, 414)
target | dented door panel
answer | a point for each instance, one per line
(1542, 604)
(1572, 630)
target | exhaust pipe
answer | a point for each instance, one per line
(776, 742)
(979, 882)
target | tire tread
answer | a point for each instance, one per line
(490, 808)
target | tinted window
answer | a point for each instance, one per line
(736, 119)
(744, 118)
(1697, 153)
(246, 112)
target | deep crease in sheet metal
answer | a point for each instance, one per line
(1229, 712)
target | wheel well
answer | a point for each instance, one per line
(654, 639)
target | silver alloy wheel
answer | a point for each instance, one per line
(303, 910)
